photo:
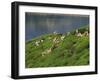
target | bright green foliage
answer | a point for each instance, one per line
(73, 50)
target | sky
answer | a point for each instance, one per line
(37, 24)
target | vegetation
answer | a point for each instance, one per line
(52, 50)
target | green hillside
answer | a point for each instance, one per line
(51, 50)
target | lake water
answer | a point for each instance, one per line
(37, 24)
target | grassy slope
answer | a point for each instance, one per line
(71, 51)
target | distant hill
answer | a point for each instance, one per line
(52, 50)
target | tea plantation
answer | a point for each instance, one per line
(53, 50)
